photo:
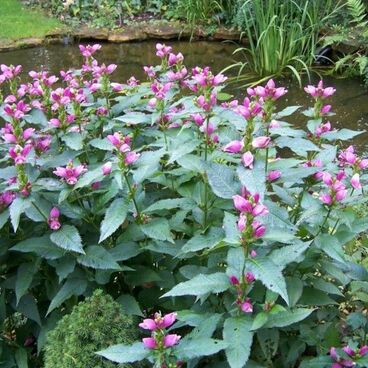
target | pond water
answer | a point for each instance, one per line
(350, 103)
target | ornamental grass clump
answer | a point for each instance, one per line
(93, 324)
(223, 225)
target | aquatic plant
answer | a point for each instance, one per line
(226, 227)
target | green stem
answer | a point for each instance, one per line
(38, 209)
(205, 209)
(131, 193)
(324, 223)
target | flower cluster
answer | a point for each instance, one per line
(242, 289)
(53, 219)
(122, 146)
(336, 188)
(249, 207)
(160, 341)
(347, 357)
(70, 173)
(320, 93)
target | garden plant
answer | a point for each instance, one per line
(218, 221)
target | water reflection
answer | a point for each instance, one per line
(350, 102)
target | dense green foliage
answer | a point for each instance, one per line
(92, 325)
(172, 197)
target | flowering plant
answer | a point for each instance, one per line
(174, 197)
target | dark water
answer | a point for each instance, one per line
(350, 103)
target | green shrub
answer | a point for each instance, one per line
(93, 324)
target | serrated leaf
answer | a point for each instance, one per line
(158, 229)
(42, 246)
(24, 278)
(18, 206)
(222, 180)
(312, 296)
(200, 242)
(67, 237)
(259, 321)
(89, 177)
(115, 215)
(342, 134)
(134, 118)
(98, 257)
(298, 145)
(4, 218)
(287, 318)
(269, 274)
(102, 144)
(231, 230)
(125, 353)
(72, 286)
(197, 348)
(129, 305)
(239, 338)
(201, 284)
(290, 253)
(169, 204)
(253, 179)
(235, 262)
(319, 362)
(73, 141)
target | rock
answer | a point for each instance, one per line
(127, 35)
(30, 42)
(85, 33)
(166, 31)
(222, 34)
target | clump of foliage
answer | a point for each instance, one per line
(184, 204)
(93, 324)
(282, 35)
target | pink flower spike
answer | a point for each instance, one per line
(149, 342)
(53, 220)
(171, 340)
(247, 159)
(261, 142)
(355, 182)
(249, 277)
(234, 147)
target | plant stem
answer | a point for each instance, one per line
(205, 209)
(324, 223)
(38, 209)
(131, 193)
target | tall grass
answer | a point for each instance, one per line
(282, 34)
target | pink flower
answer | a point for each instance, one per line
(325, 109)
(234, 147)
(363, 350)
(88, 51)
(149, 342)
(70, 173)
(258, 229)
(234, 280)
(247, 306)
(355, 181)
(117, 87)
(55, 122)
(249, 277)
(171, 340)
(198, 119)
(259, 210)
(273, 175)
(340, 195)
(319, 91)
(106, 168)
(131, 157)
(253, 253)
(148, 324)
(274, 124)
(19, 154)
(53, 220)
(149, 70)
(261, 142)
(162, 50)
(326, 198)
(158, 322)
(247, 159)
(132, 81)
(363, 164)
(269, 91)
(242, 222)
(6, 198)
(242, 204)
(323, 128)
(175, 59)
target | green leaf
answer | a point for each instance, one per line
(312, 296)
(73, 286)
(73, 141)
(28, 306)
(158, 229)
(269, 274)
(191, 163)
(18, 206)
(67, 237)
(21, 358)
(235, 262)
(287, 111)
(231, 230)
(196, 348)
(115, 215)
(169, 204)
(89, 177)
(134, 118)
(279, 235)
(124, 353)
(129, 305)
(201, 284)
(295, 289)
(98, 257)
(183, 149)
(287, 318)
(259, 321)
(253, 179)
(42, 246)
(200, 242)
(298, 145)
(4, 218)
(24, 278)
(239, 338)
(342, 134)
(102, 144)
(290, 253)
(319, 362)
(222, 180)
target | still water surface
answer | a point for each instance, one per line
(350, 103)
